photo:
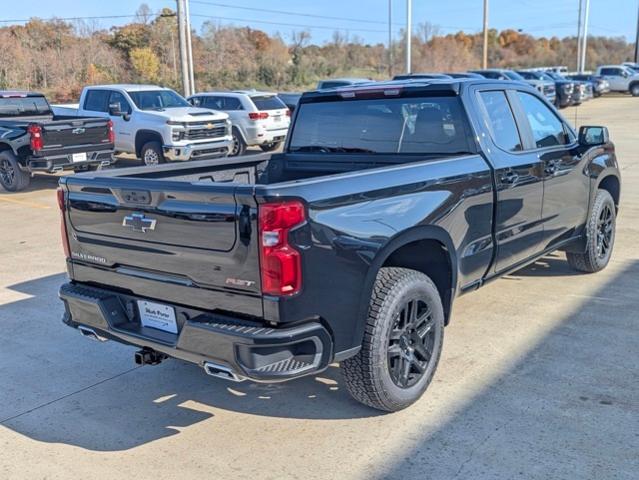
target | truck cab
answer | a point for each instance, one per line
(157, 124)
(621, 78)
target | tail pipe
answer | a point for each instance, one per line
(220, 371)
(91, 334)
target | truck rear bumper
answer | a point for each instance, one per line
(65, 162)
(246, 350)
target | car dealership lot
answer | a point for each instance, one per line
(539, 377)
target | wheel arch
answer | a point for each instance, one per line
(439, 262)
(144, 136)
(612, 185)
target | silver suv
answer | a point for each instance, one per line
(258, 118)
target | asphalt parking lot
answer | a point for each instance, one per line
(539, 378)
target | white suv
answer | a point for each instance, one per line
(258, 118)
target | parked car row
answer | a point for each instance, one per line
(555, 83)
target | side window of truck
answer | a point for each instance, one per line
(502, 121)
(117, 97)
(547, 129)
(97, 101)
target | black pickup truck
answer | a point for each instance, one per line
(389, 201)
(33, 139)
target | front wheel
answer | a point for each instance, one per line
(238, 147)
(152, 154)
(634, 90)
(12, 178)
(269, 147)
(402, 341)
(600, 232)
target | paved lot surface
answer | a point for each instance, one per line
(539, 378)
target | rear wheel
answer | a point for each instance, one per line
(151, 153)
(402, 341)
(269, 147)
(12, 178)
(601, 236)
(634, 89)
(238, 147)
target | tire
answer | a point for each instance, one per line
(151, 153)
(238, 147)
(634, 89)
(377, 376)
(600, 232)
(12, 178)
(269, 147)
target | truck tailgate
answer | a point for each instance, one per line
(169, 240)
(76, 133)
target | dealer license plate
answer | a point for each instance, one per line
(79, 157)
(158, 316)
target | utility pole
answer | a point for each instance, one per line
(579, 69)
(184, 57)
(484, 60)
(584, 45)
(637, 39)
(189, 46)
(390, 38)
(409, 34)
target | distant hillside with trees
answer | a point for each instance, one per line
(59, 58)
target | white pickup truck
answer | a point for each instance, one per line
(621, 78)
(155, 123)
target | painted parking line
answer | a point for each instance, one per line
(26, 203)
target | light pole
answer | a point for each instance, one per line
(637, 39)
(585, 36)
(390, 38)
(184, 57)
(189, 47)
(579, 69)
(484, 60)
(409, 34)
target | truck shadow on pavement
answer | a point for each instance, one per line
(59, 387)
(567, 408)
(576, 391)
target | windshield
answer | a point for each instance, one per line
(513, 75)
(427, 125)
(158, 100)
(23, 106)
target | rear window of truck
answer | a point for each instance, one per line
(267, 102)
(24, 106)
(423, 125)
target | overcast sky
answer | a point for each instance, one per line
(367, 19)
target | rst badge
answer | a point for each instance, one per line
(139, 223)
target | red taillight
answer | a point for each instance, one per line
(281, 263)
(288, 112)
(63, 222)
(35, 137)
(110, 131)
(258, 115)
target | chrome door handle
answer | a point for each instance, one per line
(551, 168)
(510, 177)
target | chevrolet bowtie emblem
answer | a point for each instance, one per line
(139, 222)
(209, 126)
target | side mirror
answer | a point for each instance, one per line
(114, 110)
(590, 136)
(126, 117)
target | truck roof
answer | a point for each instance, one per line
(18, 93)
(432, 84)
(129, 87)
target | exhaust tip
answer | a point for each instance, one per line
(91, 334)
(220, 371)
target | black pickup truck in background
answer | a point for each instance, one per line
(389, 201)
(33, 139)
